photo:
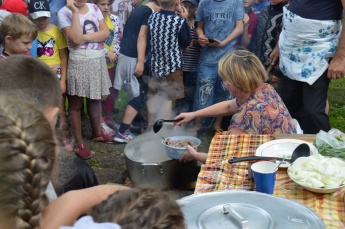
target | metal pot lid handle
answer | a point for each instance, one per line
(227, 208)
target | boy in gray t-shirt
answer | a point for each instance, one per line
(220, 21)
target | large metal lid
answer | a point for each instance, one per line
(246, 209)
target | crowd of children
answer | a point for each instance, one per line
(192, 61)
(173, 52)
(166, 57)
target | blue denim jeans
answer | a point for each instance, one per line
(210, 89)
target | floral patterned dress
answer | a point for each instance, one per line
(264, 113)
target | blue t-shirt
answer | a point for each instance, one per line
(138, 18)
(55, 6)
(219, 19)
(257, 7)
(33, 50)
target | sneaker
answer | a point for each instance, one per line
(106, 129)
(68, 145)
(112, 124)
(104, 138)
(83, 152)
(125, 137)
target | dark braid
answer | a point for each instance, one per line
(27, 153)
(143, 207)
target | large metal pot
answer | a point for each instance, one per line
(147, 162)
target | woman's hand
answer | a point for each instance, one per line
(186, 117)
(191, 155)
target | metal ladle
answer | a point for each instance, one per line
(301, 150)
(159, 124)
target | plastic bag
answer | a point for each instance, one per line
(331, 143)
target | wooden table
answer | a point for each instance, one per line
(218, 174)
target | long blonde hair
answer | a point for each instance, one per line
(27, 154)
(243, 70)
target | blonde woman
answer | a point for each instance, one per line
(257, 107)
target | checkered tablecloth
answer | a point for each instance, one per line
(218, 174)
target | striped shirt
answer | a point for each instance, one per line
(168, 34)
(191, 58)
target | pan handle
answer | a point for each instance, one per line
(173, 120)
(227, 208)
(158, 165)
(250, 158)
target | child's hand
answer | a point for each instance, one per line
(215, 43)
(71, 5)
(183, 11)
(245, 19)
(274, 56)
(136, 2)
(203, 40)
(139, 69)
(63, 86)
(112, 56)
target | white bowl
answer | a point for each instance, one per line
(176, 152)
(316, 190)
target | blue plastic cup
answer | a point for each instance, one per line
(264, 173)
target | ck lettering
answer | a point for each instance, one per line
(39, 6)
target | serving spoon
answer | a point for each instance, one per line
(302, 150)
(159, 123)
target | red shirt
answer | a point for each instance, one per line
(252, 23)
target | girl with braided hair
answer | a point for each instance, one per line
(27, 154)
(39, 88)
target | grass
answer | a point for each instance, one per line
(336, 94)
(95, 163)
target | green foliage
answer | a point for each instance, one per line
(95, 163)
(336, 95)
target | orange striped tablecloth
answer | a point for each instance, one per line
(218, 174)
